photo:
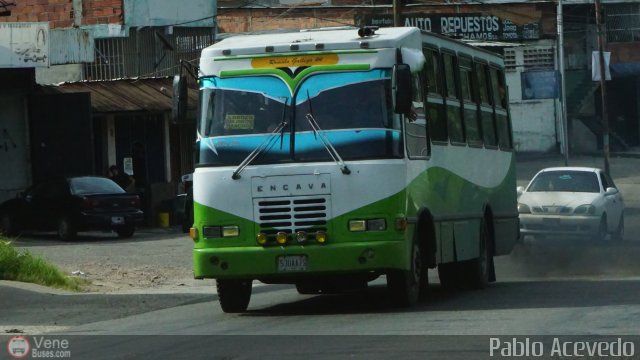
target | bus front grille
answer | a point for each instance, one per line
(292, 214)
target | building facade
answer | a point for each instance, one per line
(525, 32)
(87, 83)
(94, 89)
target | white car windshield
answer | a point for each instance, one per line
(565, 181)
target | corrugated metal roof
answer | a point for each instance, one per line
(151, 94)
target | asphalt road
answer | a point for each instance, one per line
(558, 287)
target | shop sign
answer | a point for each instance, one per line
(471, 26)
(24, 44)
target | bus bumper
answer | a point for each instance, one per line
(259, 262)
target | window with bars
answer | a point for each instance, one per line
(509, 59)
(529, 58)
(538, 58)
(147, 52)
(622, 22)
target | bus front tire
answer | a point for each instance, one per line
(233, 294)
(405, 285)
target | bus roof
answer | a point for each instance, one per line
(461, 46)
(314, 40)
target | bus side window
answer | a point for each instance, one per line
(436, 117)
(486, 108)
(499, 93)
(470, 103)
(416, 129)
(454, 116)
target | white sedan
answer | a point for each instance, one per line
(571, 201)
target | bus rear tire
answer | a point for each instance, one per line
(405, 285)
(478, 270)
(234, 295)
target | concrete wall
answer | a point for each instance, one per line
(59, 73)
(535, 128)
(167, 12)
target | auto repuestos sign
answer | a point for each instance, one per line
(472, 26)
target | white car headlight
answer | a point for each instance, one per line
(523, 208)
(587, 209)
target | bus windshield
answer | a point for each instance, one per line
(353, 109)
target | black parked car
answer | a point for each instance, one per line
(73, 204)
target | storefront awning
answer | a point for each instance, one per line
(125, 95)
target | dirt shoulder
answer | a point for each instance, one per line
(153, 261)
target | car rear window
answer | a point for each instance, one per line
(565, 181)
(94, 185)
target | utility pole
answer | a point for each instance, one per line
(396, 12)
(603, 88)
(563, 94)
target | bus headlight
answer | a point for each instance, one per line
(357, 225)
(368, 225)
(230, 231)
(376, 225)
(221, 231)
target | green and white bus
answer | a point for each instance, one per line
(329, 157)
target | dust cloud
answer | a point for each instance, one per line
(557, 257)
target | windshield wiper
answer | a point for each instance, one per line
(327, 144)
(278, 131)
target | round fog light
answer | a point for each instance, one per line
(281, 237)
(321, 237)
(301, 236)
(261, 238)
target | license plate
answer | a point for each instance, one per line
(292, 263)
(117, 220)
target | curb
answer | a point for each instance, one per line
(41, 289)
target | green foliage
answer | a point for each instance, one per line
(25, 267)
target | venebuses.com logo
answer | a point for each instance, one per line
(35, 347)
(18, 347)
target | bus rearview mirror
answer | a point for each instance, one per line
(179, 100)
(402, 88)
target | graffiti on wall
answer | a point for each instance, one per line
(24, 44)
